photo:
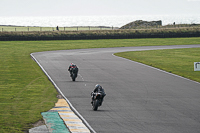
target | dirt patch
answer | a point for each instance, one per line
(59, 96)
(39, 123)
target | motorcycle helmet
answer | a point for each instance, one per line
(96, 86)
(73, 65)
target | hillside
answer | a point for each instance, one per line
(142, 24)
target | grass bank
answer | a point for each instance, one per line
(24, 88)
(177, 61)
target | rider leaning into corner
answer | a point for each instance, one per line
(98, 89)
(71, 67)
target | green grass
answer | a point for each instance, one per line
(25, 91)
(177, 61)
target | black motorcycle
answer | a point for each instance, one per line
(74, 73)
(97, 100)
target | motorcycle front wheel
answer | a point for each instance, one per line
(95, 105)
(73, 77)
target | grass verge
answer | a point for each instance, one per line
(26, 91)
(177, 61)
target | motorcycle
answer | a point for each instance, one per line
(74, 74)
(97, 100)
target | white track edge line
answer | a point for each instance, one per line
(80, 116)
(156, 68)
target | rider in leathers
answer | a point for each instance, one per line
(98, 89)
(71, 67)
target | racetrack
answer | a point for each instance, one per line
(140, 99)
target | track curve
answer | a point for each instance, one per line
(140, 99)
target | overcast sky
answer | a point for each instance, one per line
(97, 7)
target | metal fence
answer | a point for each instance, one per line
(11, 28)
(82, 28)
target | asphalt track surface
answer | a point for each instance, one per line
(140, 99)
